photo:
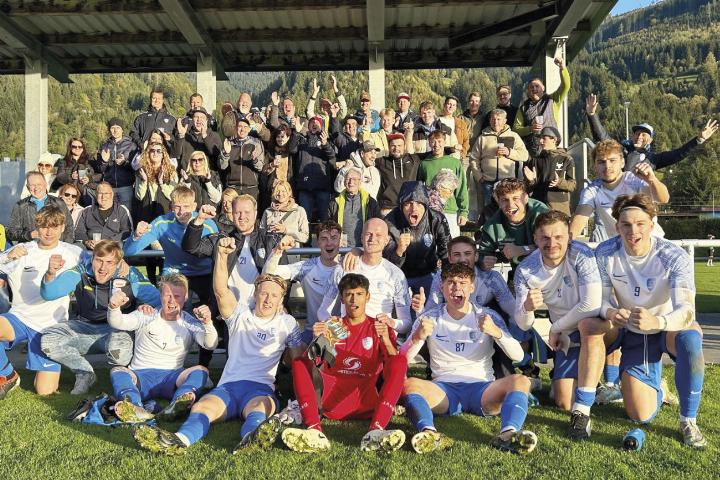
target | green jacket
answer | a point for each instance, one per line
(430, 167)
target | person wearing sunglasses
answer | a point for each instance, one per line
(75, 168)
(70, 195)
(198, 177)
(44, 166)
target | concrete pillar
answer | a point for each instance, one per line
(206, 82)
(376, 77)
(552, 83)
(36, 111)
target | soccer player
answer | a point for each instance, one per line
(258, 338)
(313, 273)
(648, 292)
(162, 341)
(388, 286)
(563, 275)
(348, 387)
(460, 338)
(25, 264)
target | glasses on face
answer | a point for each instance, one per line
(196, 160)
(76, 147)
(155, 150)
(70, 195)
(44, 165)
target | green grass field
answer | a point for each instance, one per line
(36, 442)
(707, 282)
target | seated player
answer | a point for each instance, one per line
(460, 338)
(25, 264)
(348, 386)
(257, 340)
(162, 341)
(648, 292)
(87, 331)
(562, 275)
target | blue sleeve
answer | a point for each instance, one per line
(132, 247)
(209, 228)
(143, 290)
(63, 285)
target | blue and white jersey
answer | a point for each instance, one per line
(571, 291)
(601, 200)
(662, 281)
(488, 286)
(459, 351)
(255, 345)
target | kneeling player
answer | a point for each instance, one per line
(460, 338)
(162, 341)
(348, 386)
(563, 275)
(649, 300)
(257, 340)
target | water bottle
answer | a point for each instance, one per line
(634, 440)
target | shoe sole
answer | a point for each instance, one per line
(521, 443)
(180, 408)
(264, 436)
(428, 442)
(387, 444)
(125, 411)
(299, 441)
(149, 439)
(12, 389)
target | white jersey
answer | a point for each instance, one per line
(488, 286)
(388, 289)
(159, 343)
(662, 281)
(571, 291)
(459, 351)
(255, 345)
(601, 199)
(25, 277)
(243, 275)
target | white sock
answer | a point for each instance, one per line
(183, 439)
(687, 419)
(584, 409)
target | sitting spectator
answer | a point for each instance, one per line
(367, 117)
(106, 220)
(403, 114)
(22, 219)
(395, 169)
(504, 95)
(156, 117)
(347, 141)
(224, 218)
(70, 195)
(242, 160)
(442, 189)
(198, 137)
(550, 177)
(456, 208)
(278, 165)
(284, 216)
(114, 162)
(380, 138)
(459, 136)
(75, 168)
(44, 166)
(197, 101)
(156, 179)
(352, 208)
(364, 160)
(201, 179)
(427, 123)
(473, 117)
(326, 111)
(287, 117)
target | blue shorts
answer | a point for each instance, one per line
(566, 365)
(36, 359)
(464, 397)
(157, 383)
(236, 395)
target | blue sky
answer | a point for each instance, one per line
(623, 6)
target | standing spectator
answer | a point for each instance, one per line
(326, 105)
(426, 125)
(348, 141)
(75, 168)
(504, 96)
(550, 177)
(459, 136)
(22, 226)
(224, 218)
(114, 162)
(44, 166)
(395, 169)
(196, 137)
(711, 252)
(242, 160)
(403, 114)
(456, 208)
(315, 159)
(473, 117)
(164, 139)
(106, 220)
(198, 176)
(156, 117)
(156, 179)
(368, 117)
(287, 116)
(70, 195)
(231, 115)
(380, 138)
(284, 216)
(541, 109)
(363, 160)
(352, 208)
(278, 165)
(197, 101)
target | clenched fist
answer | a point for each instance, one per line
(225, 246)
(534, 300)
(488, 327)
(118, 299)
(203, 314)
(55, 264)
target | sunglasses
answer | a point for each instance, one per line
(197, 159)
(155, 150)
(44, 165)
(76, 147)
(69, 195)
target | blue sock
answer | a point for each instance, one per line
(123, 387)
(195, 427)
(612, 374)
(253, 420)
(514, 410)
(585, 396)
(689, 371)
(419, 412)
(192, 383)
(6, 367)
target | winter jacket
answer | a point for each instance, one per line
(208, 191)
(63, 176)
(511, 111)
(421, 133)
(410, 116)
(148, 121)
(346, 145)
(368, 208)
(22, 220)
(379, 139)
(243, 163)
(295, 221)
(117, 226)
(374, 120)
(429, 238)
(474, 124)
(393, 173)
(369, 176)
(116, 175)
(152, 200)
(191, 142)
(310, 110)
(276, 119)
(491, 167)
(314, 162)
(546, 165)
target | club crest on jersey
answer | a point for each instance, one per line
(427, 239)
(367, 343)
(567, 281)
(261, 252)
(352, 363)
(650, 284)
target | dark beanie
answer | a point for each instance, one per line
(115, 121)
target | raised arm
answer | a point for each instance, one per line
(225, 298)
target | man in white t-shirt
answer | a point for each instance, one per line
(257, 340)
(388, 286)
(29, 315)
(162, 341)
(313, 273)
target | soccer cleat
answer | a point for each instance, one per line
(522, 442)
(383, 440)
(178, 408)
(83, 382)
(669, 397)
(8, 384)
(157, 440)
(290, 415)
(608, 394)
(692, 436)
(399, 410)
(130, 413)
(580, 426)
(263, 437)
(430, 441)
(305, 440)
(80, 411)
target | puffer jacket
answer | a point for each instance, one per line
(118, 176)
(22, 220)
